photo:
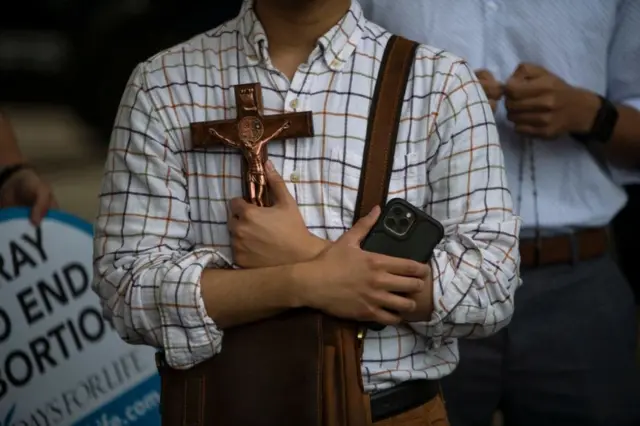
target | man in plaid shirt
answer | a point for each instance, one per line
(172, 220)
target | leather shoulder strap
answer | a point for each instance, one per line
(384, 120)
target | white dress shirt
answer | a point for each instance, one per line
(593, 44)
(163, 204)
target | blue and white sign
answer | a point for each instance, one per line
(61, 363)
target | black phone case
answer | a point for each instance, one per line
(417, 244)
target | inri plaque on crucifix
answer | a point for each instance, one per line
(250, 132)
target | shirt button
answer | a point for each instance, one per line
(295, 177)
(294, 104)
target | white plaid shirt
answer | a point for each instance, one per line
(163, 212)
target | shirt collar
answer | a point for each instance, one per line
(336, 46)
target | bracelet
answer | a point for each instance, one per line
(7, 172)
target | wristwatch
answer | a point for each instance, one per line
(603, 124)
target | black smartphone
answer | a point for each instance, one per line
(405, 231)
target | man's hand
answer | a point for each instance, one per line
(492, 87)
(271, 236)
(542, 105)
(25, 188)
(347, 282)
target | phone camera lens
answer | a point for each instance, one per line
(404, 224)
(397, 211)
(390, 223)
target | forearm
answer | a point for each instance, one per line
(236, 297)
(624, 146)
(9, 150)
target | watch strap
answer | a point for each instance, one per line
(603, 126)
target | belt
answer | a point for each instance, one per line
(581, 245)
(401, 398)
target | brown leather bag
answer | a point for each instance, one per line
(300, 368)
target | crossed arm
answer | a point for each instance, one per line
(161, 291)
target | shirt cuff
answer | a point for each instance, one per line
(621, 175)
(450, 287)
(190, 336)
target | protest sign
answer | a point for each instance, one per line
(61, 363)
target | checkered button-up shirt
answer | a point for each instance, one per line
(163, 212)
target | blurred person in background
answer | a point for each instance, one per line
(564, 78)
(20, 185)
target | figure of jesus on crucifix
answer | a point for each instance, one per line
(251, 143)
(250, 133)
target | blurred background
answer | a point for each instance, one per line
(63, 68)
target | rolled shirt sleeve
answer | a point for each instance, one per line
(476, 267)
(623, 75)
(624, 56)
(146, 271)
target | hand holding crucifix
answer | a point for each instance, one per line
(247, 133)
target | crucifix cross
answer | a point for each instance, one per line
(250, 132)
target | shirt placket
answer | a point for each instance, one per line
(491, 9)
(296, 151)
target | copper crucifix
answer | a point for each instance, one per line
(250, 132)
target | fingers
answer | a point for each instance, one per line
(542, 103)
(232, 224)
(43, 201)
(526, 70)
(394, 302)
(239, 211)
(517, 89)
(525, 85)
(485, 75)
(237, 207)
(398, 266)
(277, 185)
(359, 231)
(492, 88)
(398, 284)
(493, 93)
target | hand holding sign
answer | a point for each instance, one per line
(26, 188)
(54, 338)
